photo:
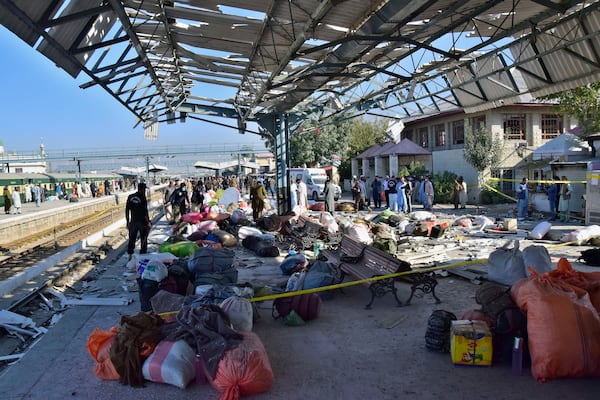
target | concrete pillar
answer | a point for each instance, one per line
(355, 167)
(379, 166)
(393, 164)
(365, 167)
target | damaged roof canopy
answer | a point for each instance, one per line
(167, 60)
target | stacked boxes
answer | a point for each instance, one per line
(471, 343)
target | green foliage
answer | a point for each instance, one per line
(482, 150)
(443, 184)
(365, 134)
(417, 168)
(583, 103)
(314, 145)
(491, 197)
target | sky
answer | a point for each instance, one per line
(41, 103)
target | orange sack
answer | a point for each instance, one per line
(562, 323)
(98, 345)
(244, 370)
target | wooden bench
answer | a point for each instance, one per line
(375, 262)
(348, 248)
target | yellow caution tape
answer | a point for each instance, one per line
(534, 180)
(493, 189)
(353, 283)
(367, 280)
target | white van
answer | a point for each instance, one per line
(314, 179)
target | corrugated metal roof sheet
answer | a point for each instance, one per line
(264, 56)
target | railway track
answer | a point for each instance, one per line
(20, 255)
(70, 275)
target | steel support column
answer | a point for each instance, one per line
(278, 128)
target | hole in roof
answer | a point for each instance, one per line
(242, 12)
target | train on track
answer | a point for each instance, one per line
(49, 181)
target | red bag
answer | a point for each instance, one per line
(307, 306)
(98, 345)
(244, 370)
(553, 301)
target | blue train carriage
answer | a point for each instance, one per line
(13, 180)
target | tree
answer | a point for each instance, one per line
(315, 144)
(365, 134)
(482, 150)
(582, 103)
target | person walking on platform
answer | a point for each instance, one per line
(16, 200)
(429, 193)
(258, 194)
(93, 189)
(28, 198)
(58, 191)
(462, 195)
(329, 196)
(7, 200)
(376, 189)
(168, 207)
(552, 191)
(393, 194)
(37, 195)
(523, 199)
(302, 196)
(565, 200)
(138, 220)
(293, 194)
(180, 202)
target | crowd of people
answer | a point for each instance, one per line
(398, 192)
(13, 199)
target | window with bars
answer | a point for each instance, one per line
(424, 137)
(458, 132)
(439, 135)
(514, 126)
(505, 185)
(477, 122)
(552, 126)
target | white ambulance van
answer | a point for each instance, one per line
(314, 179)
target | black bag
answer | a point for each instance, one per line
(267, 250)
(210, 265)
(509, 321)
(590, 257)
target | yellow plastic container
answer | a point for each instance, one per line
(471, 343)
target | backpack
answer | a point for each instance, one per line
(508, 320)
(307, 306)
(590, 257)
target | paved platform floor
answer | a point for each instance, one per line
(347, 353)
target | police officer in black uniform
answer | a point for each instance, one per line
(138, 220)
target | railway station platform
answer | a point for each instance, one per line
(346, 353)
(41, 220)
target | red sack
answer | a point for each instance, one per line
(98, 345)
(192, 218)
(552, 302)
(244, 370)
(317, 206)
(307, 306)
